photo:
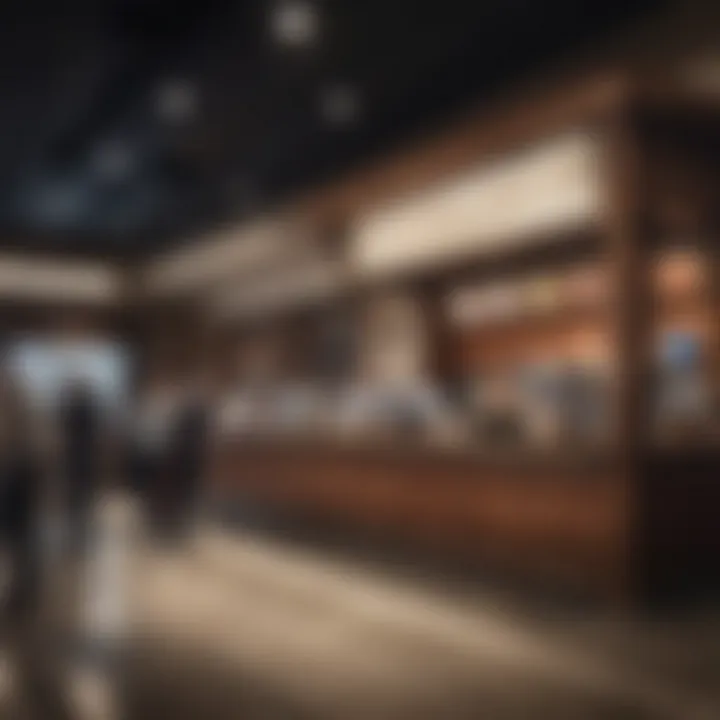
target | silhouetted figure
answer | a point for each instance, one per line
(150, 427)
(146, 438)
(80, 438)
(20, 487)
(186, 460)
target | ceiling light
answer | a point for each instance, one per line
(176, 101)
(112, 161)
(340, 104)
(295, 23)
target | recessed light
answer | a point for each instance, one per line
(176, 101)
(112, 161)
(295, 23)
(340, 104)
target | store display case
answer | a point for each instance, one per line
(566, 273)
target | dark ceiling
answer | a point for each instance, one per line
(127, 126)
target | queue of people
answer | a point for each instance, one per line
(58, 459)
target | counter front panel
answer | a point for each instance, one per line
(559, 518)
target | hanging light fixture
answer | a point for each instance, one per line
(295, 23)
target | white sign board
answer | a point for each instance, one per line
(509, 202)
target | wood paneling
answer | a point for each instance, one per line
(561, 521)
(620, 525)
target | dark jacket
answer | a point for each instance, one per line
(80, 432)
(187, 446)
(20, 490)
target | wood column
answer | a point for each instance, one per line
(629, 247)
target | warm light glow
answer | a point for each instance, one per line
(59, 281)
(287, 286)
(295, 23)
(232, 251)
(550, 187)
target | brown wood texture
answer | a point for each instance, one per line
(620, 527)
(679, 299)
(561, 523)
(682, 535)
(481, 136)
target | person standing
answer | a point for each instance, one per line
(20, 483)
(80, 433)
(147, 435)
(150, 434)
(186, 456)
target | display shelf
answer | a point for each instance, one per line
(587, 512)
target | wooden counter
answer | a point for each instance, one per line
(617, 524)
(549, 517)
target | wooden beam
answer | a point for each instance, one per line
(482, 135)
(629, 247)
